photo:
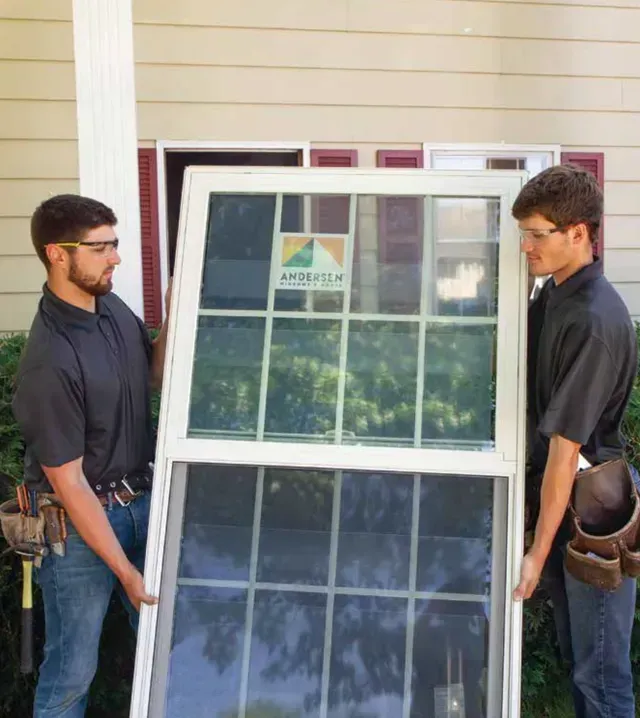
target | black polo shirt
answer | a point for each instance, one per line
(582, 363)
(83, 390)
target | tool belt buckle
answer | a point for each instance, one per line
(134, 494)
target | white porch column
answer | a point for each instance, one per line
(107, 130)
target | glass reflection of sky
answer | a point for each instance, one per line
(287, 650)
(375, 531)
(368, 633)
(367, 657)
(206, 656)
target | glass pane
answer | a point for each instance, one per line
(237, 259)
(451, 161)
(338, 321)
(296, 527)
(533, 162)
(466, 279)
(206, 652)
(312, 255)
(459, 386)
(455, 535)
(450, 653)
(380, 392)
(375, 531)
(326, 590)
(367, 657)
(238, 251)
(387, 262)
(287, 651)
(226, 376)
(303, 378)
(466, 241)
(218, 523)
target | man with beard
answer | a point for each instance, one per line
(82, 400)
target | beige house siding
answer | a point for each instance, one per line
(370, 74)
(38, 148)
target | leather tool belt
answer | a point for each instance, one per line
(37, 521)
(31, 523)
(604, 512)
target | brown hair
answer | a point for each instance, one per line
(565, 195)
(67, 218)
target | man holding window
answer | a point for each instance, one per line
(82, 400)
(581, 368)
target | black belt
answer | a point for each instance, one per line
(125, 489)
(124, 498)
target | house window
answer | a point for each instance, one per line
(531, 158)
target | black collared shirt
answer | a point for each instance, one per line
(582, 362)
(83, 390)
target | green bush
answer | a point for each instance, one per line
(544, 686)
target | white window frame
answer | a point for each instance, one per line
(164, 146)
(175, 448)
(489, 150)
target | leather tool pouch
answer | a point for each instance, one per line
(605, 517)
(18, 528)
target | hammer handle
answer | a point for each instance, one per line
(26, 618)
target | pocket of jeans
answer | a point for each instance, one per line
(630, 561)
(602, 573)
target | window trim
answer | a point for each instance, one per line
(163, 146)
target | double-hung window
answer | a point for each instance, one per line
(336, 520)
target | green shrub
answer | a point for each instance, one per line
(544, 685)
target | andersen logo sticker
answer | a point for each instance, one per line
(312, 262)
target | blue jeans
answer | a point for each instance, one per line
(76, 590)
(594, 631)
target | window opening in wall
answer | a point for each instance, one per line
(474, 157)
(177, 160)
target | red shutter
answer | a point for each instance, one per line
(330, 213)
(594, 163)
(151, 290)
(400, 219)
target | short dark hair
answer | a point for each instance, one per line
(67, 218)
(565, 195)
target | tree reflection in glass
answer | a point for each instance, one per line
(287, 650)
(459, 397)
(368, 628)
(367, 657)
(380, 392)
(303, 378)
(226, 375)
(206, 654)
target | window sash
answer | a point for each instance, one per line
(506, 461)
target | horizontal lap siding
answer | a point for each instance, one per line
(38, 147)
(416, 17)
(369, 74)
